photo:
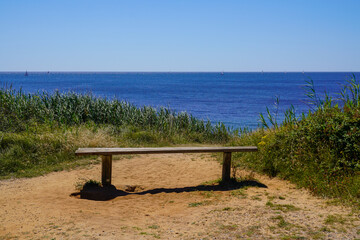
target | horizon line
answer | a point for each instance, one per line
(63, 71)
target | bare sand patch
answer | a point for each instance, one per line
(168, 203)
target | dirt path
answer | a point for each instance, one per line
(173, 207)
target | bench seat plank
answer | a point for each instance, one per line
(120, 151)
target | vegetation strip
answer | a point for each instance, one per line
(319, 150)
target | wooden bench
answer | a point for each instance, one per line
(106, 155)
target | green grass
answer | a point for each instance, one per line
(239, 193)
(282, 207)
(231, 227)
(157, 236)
(153, 226)
(252, 230)
(332, 219)
(281, 222)
(292, 237)
(197, 204)
(256, 198)
(40, 132)
(212, 182)
(90, 184)
(207, 194)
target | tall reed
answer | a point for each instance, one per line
(18, 108)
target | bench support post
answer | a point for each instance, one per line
(226, 167)
(106, 167)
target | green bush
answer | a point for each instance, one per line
(319, 151)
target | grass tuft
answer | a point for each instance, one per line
(332, 219)
(282, 207)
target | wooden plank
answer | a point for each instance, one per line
(226, 170)
(106, 168)
(120, 151)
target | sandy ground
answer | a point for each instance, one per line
(168, 204)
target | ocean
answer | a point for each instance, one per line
(236, 99)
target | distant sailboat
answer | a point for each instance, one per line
(26, 74)
(222, 73)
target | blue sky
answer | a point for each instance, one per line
(187, 35)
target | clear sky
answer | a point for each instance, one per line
(183, 35)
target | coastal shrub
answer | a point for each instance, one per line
(319, 151)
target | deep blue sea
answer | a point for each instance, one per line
(235, 99)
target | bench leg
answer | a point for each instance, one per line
(106, 167)
(226, 167)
